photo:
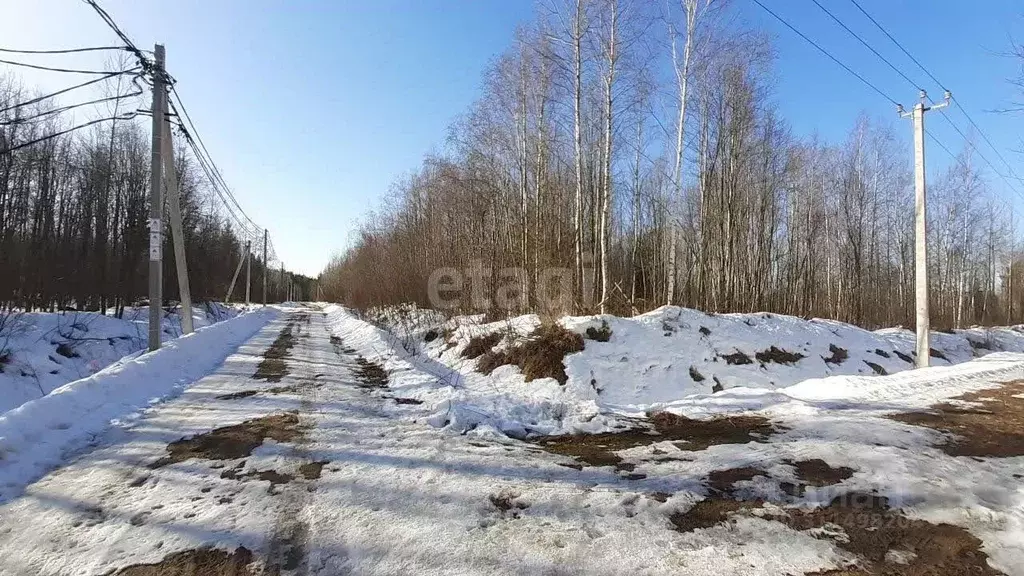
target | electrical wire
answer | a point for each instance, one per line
(66, 90)
(62, 109)
(866, 45)
(52, 69)
(127, 116)
(131, 47)
(826, 53)
(65, 51)
(898, 45)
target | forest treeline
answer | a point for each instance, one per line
(74, 210)
(638, 144)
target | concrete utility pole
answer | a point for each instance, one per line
(231, 287)
(265, 268)
(921, 228)
(248, 275)
(156, 203)
(177, 229)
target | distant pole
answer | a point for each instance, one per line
(156, 203)
(280, 285)
(921, 229)
(248, 272)
(265, 267)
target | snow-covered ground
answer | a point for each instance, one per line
(41, 433)
(649, 361)
(42, 351)
(389, 494)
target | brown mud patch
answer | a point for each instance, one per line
(248, 393)
(687, 433)
(233, 442)
(994, 428)
(707, 513)
(312, 470)
(198, 562)
(370, 374)
(722, 481)
(815, 472)
(273, 366)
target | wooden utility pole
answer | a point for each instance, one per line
(265, 266)
(177, 229)
(921, 229)
(156, 204)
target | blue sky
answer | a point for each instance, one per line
(312, 108)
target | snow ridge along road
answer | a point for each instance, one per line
(294, 458)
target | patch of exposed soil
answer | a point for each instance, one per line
(247, 393)
(708, 513)
(409, 401)
(695, 375)
(995, 429)
(874, 532)
(690, 434)
(541, 355)
(722, 481)
(312, 470)
(273, 476)
(877, 368)
(273, 367)
(815, 472)
(199, 562)
(507, 504)
(839, 355)
(737, 358)
(905, 357)
(778, 356)
(233, 442)
(370, 374)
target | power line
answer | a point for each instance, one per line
(866, 45)
(129, 45)
(958, 105)
(127, 116)
(826, 53)
(64, 51)
(52, 69)
(63, 109)
(66, 90)
(898, 45)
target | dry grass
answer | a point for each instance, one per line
(602, 334)
(778, 356)
(994, 429)
(480, 345)
(839, 355)
(541, 355)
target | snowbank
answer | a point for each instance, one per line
(37, 435)
(43, 351)
(650, 362)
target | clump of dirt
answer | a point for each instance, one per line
(882, 353)
(877, 368)
(198, 562)
(312, 470)
(707, 513)
(431, 335)
(273, 476)
(722, 481)
(66, 350)
(507, 504)
(273, 367)
(937, 354)
(778, 356)
(480, 345)
(905, 357)
(839, 355)
(370, 374)
(690, 434)
(233, 442)
(539, 356)
(602, 334)
(737, 358)
(695, 375)
(994, 430)
(815, 472)
(705, 331)
(410, 401)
